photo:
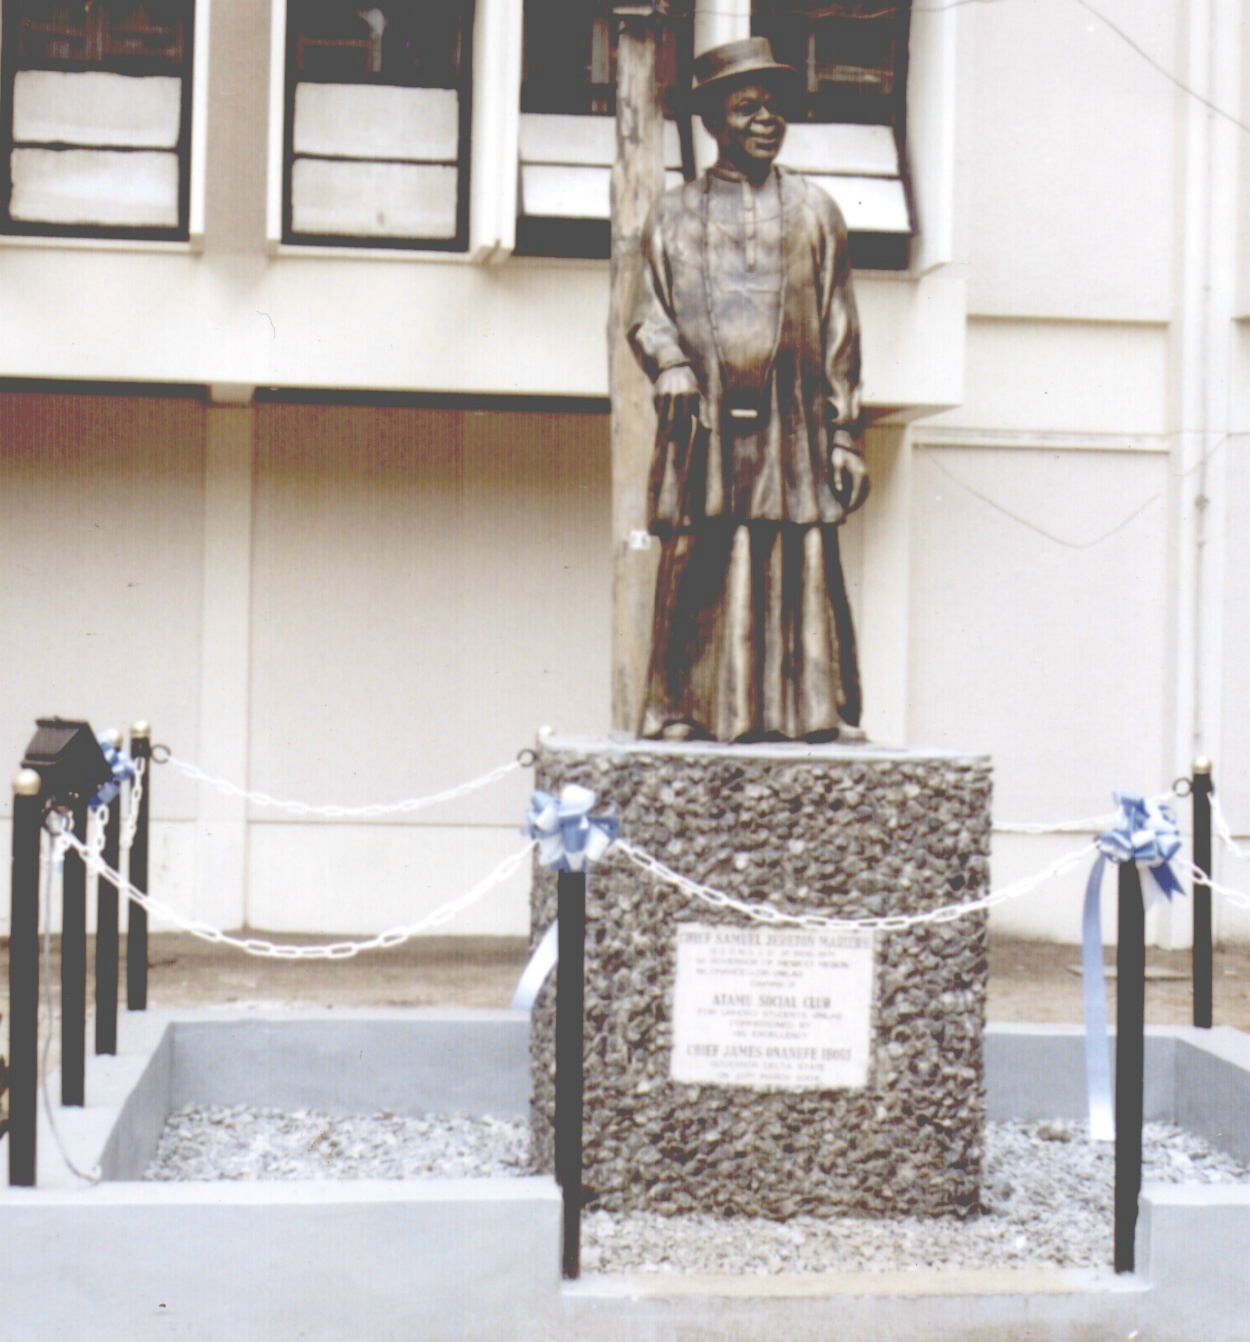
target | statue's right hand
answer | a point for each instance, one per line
(676, 401)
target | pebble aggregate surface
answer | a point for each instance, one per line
(811, 829)
(1046, 1196)
(235, 1142)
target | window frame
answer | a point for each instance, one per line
(188, 71)
(286, 40)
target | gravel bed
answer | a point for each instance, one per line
(1047, 1200)
(1047, 1193)
(221, 1142)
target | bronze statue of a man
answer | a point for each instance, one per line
(746, 323)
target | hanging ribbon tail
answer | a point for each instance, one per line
(1165, 878)
(541, 963)
(1094, 986)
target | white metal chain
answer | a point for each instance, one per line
(404, 807)
(338, 950)
(91, 854)
(1236, 897)
(895, 922)
(130, 805)
(1223, 829)
(97, 824)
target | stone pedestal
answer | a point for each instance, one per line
(854, 831)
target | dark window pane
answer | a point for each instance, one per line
(851, 54)
(153, 29)
(411, 42)
(120, 33)
(570, 58)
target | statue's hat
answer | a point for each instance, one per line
(749, 60)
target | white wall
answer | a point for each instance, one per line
(352, 603)
(1098, 219)
(1073, 163)
(429, 588)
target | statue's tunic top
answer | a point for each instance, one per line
(750, 286)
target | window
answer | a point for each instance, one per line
(378, 122)
(568, 134)
(852, 55)
(850, 130)
(570, 59)
(95, 113)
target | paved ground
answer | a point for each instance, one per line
(1029, 980)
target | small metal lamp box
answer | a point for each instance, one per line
(68, 759)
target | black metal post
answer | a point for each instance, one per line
(570, 1001)
(74, 967)
(137, 918)
(1201, 788)
(106, 939)
(1129, 1057)
(24, 977)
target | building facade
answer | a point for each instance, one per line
(303, 428)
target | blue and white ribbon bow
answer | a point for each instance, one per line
(569, 837)
(1145, 833)
(123, 768)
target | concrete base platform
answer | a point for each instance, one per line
(462, 1259)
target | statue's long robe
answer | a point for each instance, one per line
(752, 635)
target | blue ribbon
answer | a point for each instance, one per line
(1144, 833)
(123, 768)
(569, 838)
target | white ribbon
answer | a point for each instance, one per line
(541, 963)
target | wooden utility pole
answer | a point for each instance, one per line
(637, 181)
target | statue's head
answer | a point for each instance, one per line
(743, 95)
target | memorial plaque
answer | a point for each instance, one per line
(772, 1008)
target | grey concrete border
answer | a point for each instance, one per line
(469, 1260)
(350, 1065)
(451, 1259)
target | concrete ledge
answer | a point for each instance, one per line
(446, 1259)
(820, 1285)
(1213, 1088)
(966, 1307)
(1035, 1072)
(1193, 1245)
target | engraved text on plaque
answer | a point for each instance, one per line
(772, 1008)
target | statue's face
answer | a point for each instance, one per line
(752, 127)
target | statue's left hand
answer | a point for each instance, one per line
(850, 477)
(677, 402)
